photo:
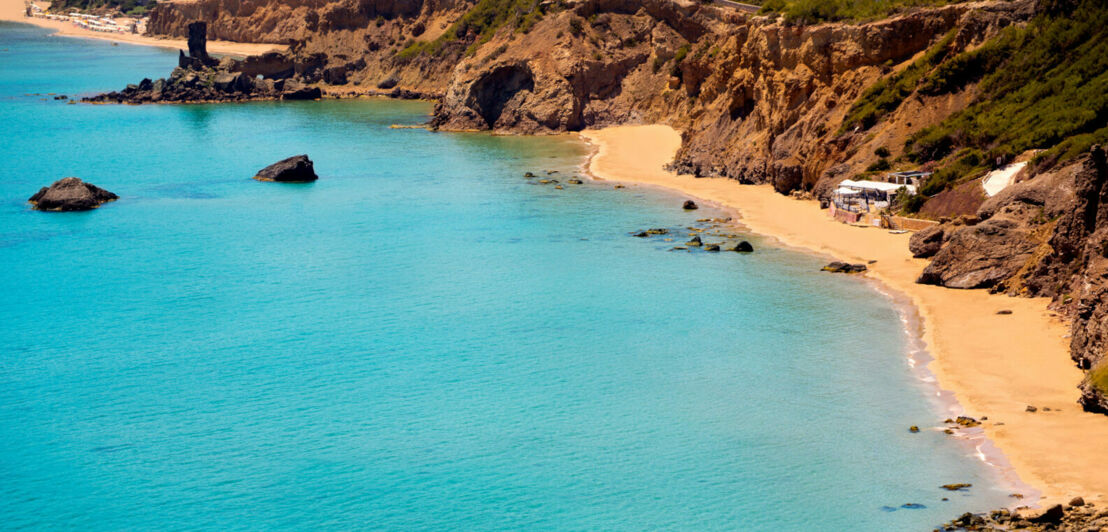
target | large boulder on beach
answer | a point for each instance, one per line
(296, 169)
(927, 242)
(71, 194)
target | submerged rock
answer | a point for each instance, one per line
(295, 169)
(71, 194)
(690, 205)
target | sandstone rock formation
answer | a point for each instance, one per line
(295, 169)
(70, 194)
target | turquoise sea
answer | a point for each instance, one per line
(422, 339)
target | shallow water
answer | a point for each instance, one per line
(420, 340)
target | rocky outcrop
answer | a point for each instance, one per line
(927, 242)
(197, 57)
(70, 194)
(1077, 516)
(295, 169)
(200, 78)
(1046, 236)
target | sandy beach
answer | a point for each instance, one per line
(995, 365)
(13, 11)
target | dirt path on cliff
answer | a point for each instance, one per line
(14, 11)
(996, 365)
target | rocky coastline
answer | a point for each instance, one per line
(201, 78)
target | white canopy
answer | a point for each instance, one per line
(875, 185)
(846, 191)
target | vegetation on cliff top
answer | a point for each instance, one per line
(816, 11)
(482, 20)
(1042, 86)
(888, 93)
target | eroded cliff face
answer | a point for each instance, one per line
(759, 101)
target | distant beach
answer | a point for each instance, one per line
(13, 11)
(996, 365)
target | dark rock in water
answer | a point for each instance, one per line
(690, 205)
(388, 83)
(927, 242)
(956, 487)
(843, 267)
(529, 174)
(61, 97)
(575, 181)
(405, 94)
(302, 93)
(654, 231)
(967, 422)
(71, 194)
(913, 429)
(1053, 514)
(968, 520)
(743, 247)
(694, 241)
(297, 169)
(711, 247)
(913, 506)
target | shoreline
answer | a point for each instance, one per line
(987, 365)
(13, 11)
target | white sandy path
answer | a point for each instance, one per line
(1000, 178)
(995, 365)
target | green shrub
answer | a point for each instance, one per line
(679, 58)
(879, 165)
(967, 162)
(816, 11)
(482, 20)
(1044, 85)
(1098, 377)
(889, 92)
(881, 152)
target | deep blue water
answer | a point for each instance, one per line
(420, 340)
